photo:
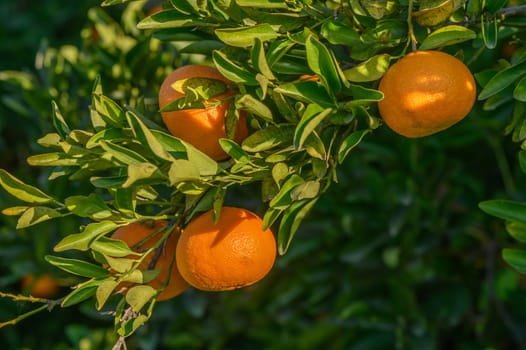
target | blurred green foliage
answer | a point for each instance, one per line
(395, 255)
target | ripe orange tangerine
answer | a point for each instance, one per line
(136, 235)
(201, 127)
(42, 286)
(234, 252)
(426, 92)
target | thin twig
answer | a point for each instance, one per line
(410, 27)
(512, 10)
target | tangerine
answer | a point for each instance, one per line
(42, 286)
(201, 127)
(426, 92)
(232, 253)
(137, 236)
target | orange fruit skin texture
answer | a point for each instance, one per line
(426, 92)
(43, 286)
(201, 127)
(233, 253)
(136, 232)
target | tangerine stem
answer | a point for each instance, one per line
(410, 27)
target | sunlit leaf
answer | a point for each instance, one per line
(138, 296)
(22, 191)
(82, 240)
(246, 36)
(77, 267)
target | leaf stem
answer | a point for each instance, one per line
(410, 27)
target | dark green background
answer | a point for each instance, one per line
(396, 255)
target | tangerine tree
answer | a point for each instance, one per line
(260, 94)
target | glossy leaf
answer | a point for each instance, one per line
(505, 209)
(81, 241)
(22, 191)
(489, 31)
(246, 36)
(516, 258)
(503, 79)
(252, 105)
(284, 197)
(268, 138)
(60, 124)
(111, 247)
(520, 90)
(370, 70)
(517, 230)
(35, 215)
(311, 118)
(350, 143)
(291, 221)
(88, 206)
(322, 62)
(77, 267)
(233, 71)
(448, 35)
(81, 292)
(171, 19)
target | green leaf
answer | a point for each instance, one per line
(22, 191)
(516, 258)
(312, 117)
(81, 241)
(493, 6)
(520, 90)
(81, 292)
(171, 19)
(182, 150)
(122, 154)
(306, 190)
(517, 230)
(259, 60)
(431, 14)
(338, 33)
(138, 296)
(246, 36)
(448, 35)
(284, 197)
(503, 79)
(53, 159)
(91, 206)
(109, 111)
(146, 137)
(292, 218)
(36, 215)
(233, 150)
(130, 326)
(350, 142)
(490, 30)
(58, 121)
(370, 70)
(233, 71)
(141, 173)
(77, 267)
(268, 138)
(252, 105)
(111, 247)
(183, 170)
(505, 209)
(104, 291)
(322, 62)
(264, 4)
(307, 91)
